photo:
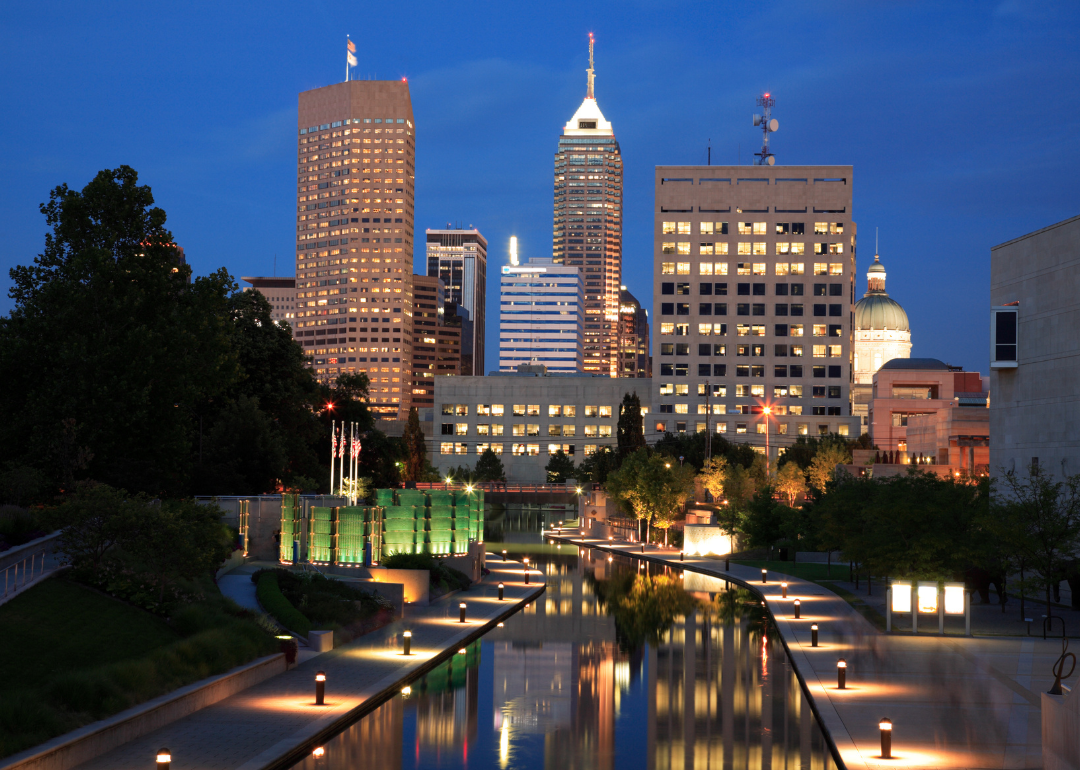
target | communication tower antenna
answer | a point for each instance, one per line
(768, 125)
(513, 250)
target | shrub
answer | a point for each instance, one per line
(273, 601)
(442, 577)
(19, 526)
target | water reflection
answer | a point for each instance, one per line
(615, 666)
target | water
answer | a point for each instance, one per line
(615, 666)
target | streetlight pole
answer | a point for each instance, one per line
(766, 411)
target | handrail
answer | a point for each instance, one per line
(11, 572)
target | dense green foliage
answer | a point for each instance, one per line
(320, 601)
(652, 488)
(19, 526)
(560, 468)
(271, 599)
(630, 433)
(80, 656)
(120, 366)
(443, 578)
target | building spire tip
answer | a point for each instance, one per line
(590, 71)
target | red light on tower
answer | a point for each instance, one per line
(330, 405)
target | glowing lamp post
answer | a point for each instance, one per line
(885, 726)
(783, 590)
(765, 412)
(500, 592)
(164, 759)
(798, 609)
(504, 554)
(526, 570)
(320, 688)
(813, 635)
(682, 555)
(318, 752)
(461, 612)
(764, 575)
(841, 674)
(406, 644)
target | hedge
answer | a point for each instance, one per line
(274, 602)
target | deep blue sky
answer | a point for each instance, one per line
(959, 118)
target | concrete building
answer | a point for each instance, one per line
(633, 337)
(754, 281)
(588, 223)
(882, 333)
(908, 387)
(354, 251)
(525, 417)
(541, 318)
(956, 436)
(280, 293)
(459, 258)
(436, 346)
(1035, 352)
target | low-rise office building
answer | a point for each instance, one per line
(1035, 351)
(525, 417)
(279, 292)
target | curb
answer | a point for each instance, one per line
(86, 743)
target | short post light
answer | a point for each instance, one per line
(841, 674)
(461, 612)
(682, 555)
(764, 575)
(500, 592)
(798, 609)
(813, 635)
(164, 759)
(885, 726)
(318, 752)
(643, 548)
(504, 554)
(526, 570)
(406, 644)
(320, 688)
(610, 538)
(783, 590)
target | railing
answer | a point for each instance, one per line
(14, 573)
(495, 486)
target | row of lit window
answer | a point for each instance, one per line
(747, 248)
(795, 371)
(752, 228)
(526, 410)
(521, 450)
(801, 428)
(752, 268)
(754, 351)
(524, 429)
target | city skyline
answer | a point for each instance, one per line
(940, 202)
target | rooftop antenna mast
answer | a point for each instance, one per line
(592, 75)
(768, 125)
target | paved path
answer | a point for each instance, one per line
(265, 722)
(955, 702)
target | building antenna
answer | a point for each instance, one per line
(768, 125)
(591, 73)
(876, 252)
(708, 161)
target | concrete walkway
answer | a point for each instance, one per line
(955, 702)
(278, 717)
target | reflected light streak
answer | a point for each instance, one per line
(504, 744)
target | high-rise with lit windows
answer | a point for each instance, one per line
(588, 223)
(753, 288)
(540, 318)
(459, 257)
(354, 236)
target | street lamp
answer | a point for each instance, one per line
(766, 411)
(841, 674)
(783, 590)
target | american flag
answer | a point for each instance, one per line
(344, 443)
(355, 448)
(334, 450)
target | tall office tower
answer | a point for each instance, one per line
(354, 236)
(754, 278)
(280, 293)
(540, 316)
(436, 345)
(588, 223)
(633, 337)
(459, 257)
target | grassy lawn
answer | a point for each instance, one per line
(806, 571)
(60, 626)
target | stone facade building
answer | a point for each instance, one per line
(882, 333)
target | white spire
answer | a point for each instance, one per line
(592, 74)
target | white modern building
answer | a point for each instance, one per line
(541, 316)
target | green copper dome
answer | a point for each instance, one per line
(877, 311)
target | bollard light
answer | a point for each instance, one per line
(406, 690)
(841, 674)
(813, 635)
(783, 590)
(461, 612)
(764, 574)
(643, 548)
(318, 752)
(504, 554)
(462, 651)
(320, 687)
(500, 592)
(164, 759)
(406, 646)
(682, 555)
(526, 570)
(610, 538)
(885, 725)
(798, 609)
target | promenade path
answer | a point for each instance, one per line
(955, 701)
(258, 726)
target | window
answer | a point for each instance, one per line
(705, 268)
(760, 228)
(705, 228)
(461, 429)
(667, 288)
(684, 228)
(447, 429)
(683, 268)
(682, 247)
(533, 410)
(795, 330)
(836, 311)
(836, 290)
(759, 268)
(668, 228)
(1003, 337)
(667, 247)
(836, 268)
(682, 308)
(554, 430)
(497, 410)
(554, 410)
(744, 249)
(746, 228)
(532, 429)
(667, 268)
(569, 410)
(667, 328)
(781, 228)
(519, 410)
(446, 448)
(497, 429)
(518, 429)
(836, 248)
(569, 430)
(605, 412)
(798, 228)
(821, 228)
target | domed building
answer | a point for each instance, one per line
(882, 333)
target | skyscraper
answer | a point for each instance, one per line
(459, 257)
(354, 235)
(588, 222)
(754, 281)
(540, 316)
(436, 345)
(633, 337)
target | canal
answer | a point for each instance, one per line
(618, 665)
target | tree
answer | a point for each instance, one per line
(244, 453)
(559, 468)
(489, 467)
(712, 477)
(415, 448)
(763, 523)
(823, 466)
(381, 459)
(598, 466)
(790, 482)
(652, 486)
(625, 487)
(1044, 516)
(111, 344)
(631, 427)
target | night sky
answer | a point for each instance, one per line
(959, 118)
